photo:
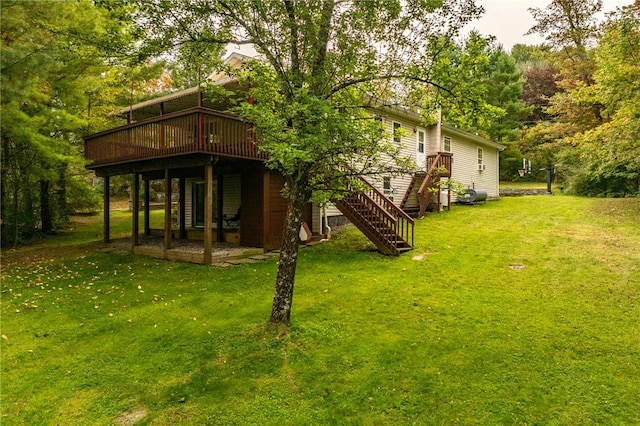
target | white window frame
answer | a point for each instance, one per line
(421, 144)
(387, 189)
(480, 154)
(446, 140)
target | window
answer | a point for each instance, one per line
(446, 144)
(397, 134)
(480, 159)
(421, 141)
(386, 187)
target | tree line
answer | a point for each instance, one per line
(66, 67)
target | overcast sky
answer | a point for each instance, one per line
(508, 20)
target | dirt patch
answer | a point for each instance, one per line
(131, 417)
(85, 219)
(420, 256)
(119, 203)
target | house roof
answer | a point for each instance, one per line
(453, 130)
(186, 98)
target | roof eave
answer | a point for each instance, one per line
(470, 136)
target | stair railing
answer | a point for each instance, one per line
(423, 194)
(391, 215)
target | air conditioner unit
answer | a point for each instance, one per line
(482, 167)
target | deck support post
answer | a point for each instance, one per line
(183, 208)
(167, 213)
(220, 215)
(107, 201)
(208, 212)
(135, 207)
(147, 200)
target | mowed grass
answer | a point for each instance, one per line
(521, 311)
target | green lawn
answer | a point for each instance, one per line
(521, 311)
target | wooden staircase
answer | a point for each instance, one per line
(427, 184)
(410, 202)
(384, 223)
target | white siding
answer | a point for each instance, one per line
(465, 165)
(332, 210)
(231, 200)
(316, 219)
(188, 220)
(399, 184)
(409, 142)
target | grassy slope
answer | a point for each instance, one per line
(518, 311)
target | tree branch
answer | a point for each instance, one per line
(322, 43)
(293, 42)
(355, 81)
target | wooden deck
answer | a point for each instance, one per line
(192, 131)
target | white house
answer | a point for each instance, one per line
(474, 159)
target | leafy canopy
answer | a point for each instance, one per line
(323, 64)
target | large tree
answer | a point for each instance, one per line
(479, 68)
(570, 28)
(592, 128)
(43, 106)
(568, 23)
(604, 157)
(324, 62)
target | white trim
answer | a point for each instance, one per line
(446, 139)
(421, 156)
(480, 157)
(447, 128)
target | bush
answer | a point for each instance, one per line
(82, 195)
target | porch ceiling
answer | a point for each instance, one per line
(179, 101)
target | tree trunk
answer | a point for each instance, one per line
(62, 209)
(28, 217)
(3, 192)
(45, 207)
(283, 297)
(16, 207)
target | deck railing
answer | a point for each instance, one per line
(442, 159)
(196, 130)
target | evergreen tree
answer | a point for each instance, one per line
(53, 75)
